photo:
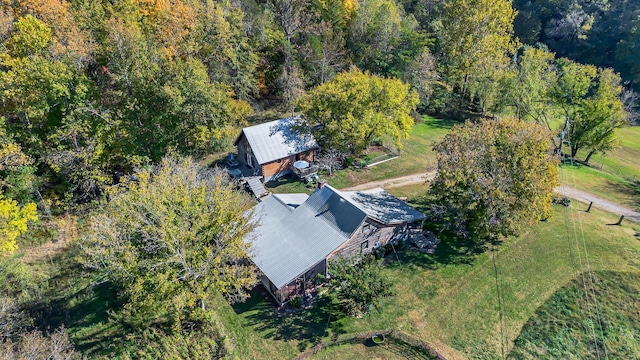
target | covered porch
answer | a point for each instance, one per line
(299, 286)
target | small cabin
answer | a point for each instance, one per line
(271, 148)
(296, 235)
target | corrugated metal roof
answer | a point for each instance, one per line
(291, 200)
(383, 207)
(276, 140)
(287, 243)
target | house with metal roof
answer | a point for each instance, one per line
(272, 148)
(295, 235)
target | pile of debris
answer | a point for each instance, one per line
(425, 241)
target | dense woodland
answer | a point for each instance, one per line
(93, 91)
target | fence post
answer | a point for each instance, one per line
(619, 221)
(589, 208)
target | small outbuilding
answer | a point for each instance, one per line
(296, 235)
(272, 148)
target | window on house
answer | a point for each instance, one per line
(366, 229)
(364, 245)
(279, 161)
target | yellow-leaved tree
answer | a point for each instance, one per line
(13, 218)
(13, 222)
(357, 108)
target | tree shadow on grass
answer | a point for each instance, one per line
(450, 251)
(308, 326)
(71, 299)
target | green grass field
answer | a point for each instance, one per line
(416, 156)
(622, 161)
(584, 326)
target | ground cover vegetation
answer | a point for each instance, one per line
(617, 297)
(95, 94)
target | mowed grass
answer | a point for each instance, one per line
(359, 351)
(449, 299)
(623, 161)
(602, 184)
(416, 156)
(612, 330)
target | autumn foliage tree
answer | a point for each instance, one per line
(170, 237)
(14, 218)
(356, 108)
(494, 177)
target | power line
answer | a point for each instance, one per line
(592, 284)
(495, 273)
(586, 255)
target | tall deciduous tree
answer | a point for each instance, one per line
(356, 108)
(590, 99)
(170, 237)
(598, 116)
(528, 85)
(474, 43)
(494, 177)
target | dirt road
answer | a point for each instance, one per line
(395, 182)
(599, 202)
(567, 191)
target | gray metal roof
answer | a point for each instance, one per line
(294, 231)
(383, 207)
(286, 243)
(291, 200)
(277, 139)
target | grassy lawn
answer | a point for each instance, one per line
(622, 161)
(618, 299)
(603, 184)
(416, 156)
(449, 299)
(288, 184)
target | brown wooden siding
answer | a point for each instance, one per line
(275, 167)
(371, 232)
(305, 281)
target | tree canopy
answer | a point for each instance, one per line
(358, 284)
(494, 177)
(170, 236)
(356, 108)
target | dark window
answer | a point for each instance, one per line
(364, 245)
(279, 161)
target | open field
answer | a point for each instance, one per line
(416, 156)
(617, 295)
(623, 161)
(449, 299)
